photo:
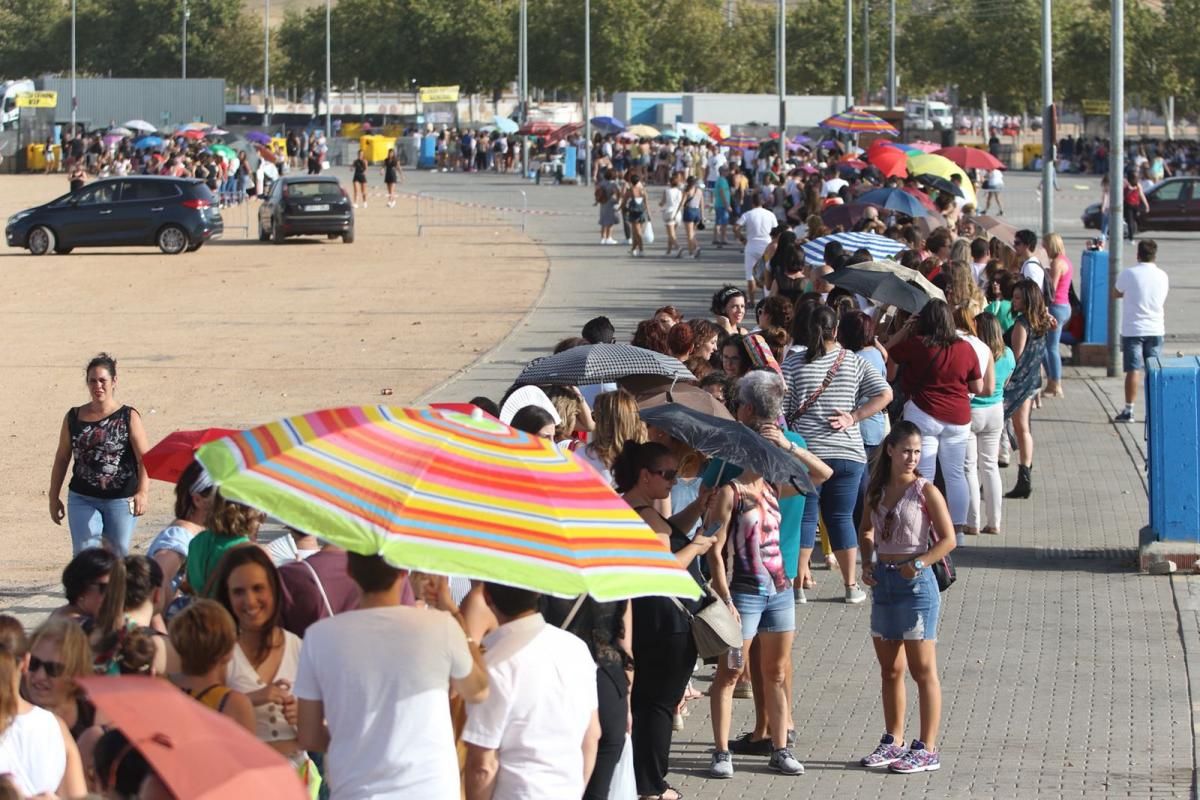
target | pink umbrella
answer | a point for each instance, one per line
(924, 146)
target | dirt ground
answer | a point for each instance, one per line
(237, 333)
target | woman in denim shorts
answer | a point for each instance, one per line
(905, 529)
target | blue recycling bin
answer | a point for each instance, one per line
(428, 155)
(571, 164)
(1093, 278)
(1173, 430)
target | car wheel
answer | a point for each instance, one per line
(277, 234)
(173, 240)
(332, 235)
(263, 236)
(62, 251)
(194, 247)
(40, 241)
(348, 237)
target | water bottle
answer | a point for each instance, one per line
(735, 658)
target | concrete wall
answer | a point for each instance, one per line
(743, 109)
(160, 101)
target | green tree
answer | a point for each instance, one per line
(31, 40)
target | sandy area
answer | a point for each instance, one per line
(234, 334)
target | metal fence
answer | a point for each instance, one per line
(434, 212)
(235, 211)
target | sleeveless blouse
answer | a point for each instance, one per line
(757, 560)
(104, 465)
(903, 529)
(32, 752)
(241, 676)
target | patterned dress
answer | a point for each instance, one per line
(1027, 376)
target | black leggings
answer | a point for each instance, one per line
(662, 668)
(611, 690)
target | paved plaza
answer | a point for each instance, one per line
(1065, 672)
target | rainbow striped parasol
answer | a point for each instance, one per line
(450, 492)
(853, 120)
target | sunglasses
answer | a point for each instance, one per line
(889, 525)
(665, 474)
(53, 669)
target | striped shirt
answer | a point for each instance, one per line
(855, 383)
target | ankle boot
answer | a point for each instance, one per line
(1024, 486)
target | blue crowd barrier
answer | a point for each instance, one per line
(1093, 278)
(1173, 430)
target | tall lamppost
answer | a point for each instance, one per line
(328, 79)
(186, 14)
(267, 64)
(74, 97)
(587, 89)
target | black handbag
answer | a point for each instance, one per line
(943, 568)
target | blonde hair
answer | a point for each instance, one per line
(566, 403)
(966, 301)
(1054, 245)
(617, 424)
(74, 650)
(227, 518)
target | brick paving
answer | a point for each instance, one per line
(1065, 673)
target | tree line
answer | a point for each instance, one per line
(967, 46)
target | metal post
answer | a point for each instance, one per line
(849, 53)
(267, 64)
(329, 81)
(74, 97)
(523, 46)
(781, 82)
(1116, 171)
(891, 92)
(1047, 122)
(587, 89)
(866, 52)
(186, 14)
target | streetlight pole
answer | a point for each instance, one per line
(866, 52)
(587, 89)
(267, 64)
(186, 14)
(523, 79)
(74, 97)
(1047, 122)
(781, 66)
(849, 53)
(891, 92)
(329, 79)
(1116, 172)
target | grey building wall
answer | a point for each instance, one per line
(160, 101)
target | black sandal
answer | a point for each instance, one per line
(663, 796)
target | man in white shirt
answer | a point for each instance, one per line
(373, 685)
(754, 228)
(1024, 244)
(833, 184)
(716, 160)
(536, 733)
(979, 262)
(1144, 289)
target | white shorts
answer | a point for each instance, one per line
(754, 251)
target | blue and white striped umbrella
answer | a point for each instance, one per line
(881, 247)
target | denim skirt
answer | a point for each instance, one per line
(903, 609)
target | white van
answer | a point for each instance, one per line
(939, 115)
(10, 113)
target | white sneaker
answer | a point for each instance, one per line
(855, 595)
(364, 203)
(356, 205)
(721, 765)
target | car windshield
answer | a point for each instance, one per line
(61, 201)
(311, 188)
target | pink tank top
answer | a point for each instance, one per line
(1062, 292)
(903, 530)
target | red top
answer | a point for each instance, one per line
(935, 378)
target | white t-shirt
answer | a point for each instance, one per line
(541, 695)
(1144, 287)
(832, 186)
(757, 223)
(982, 353)
(1033, 269)
(32, 752)
(715, 162)
(978, 269)
(383, 675)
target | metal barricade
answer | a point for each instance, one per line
(235, 210)
(436, 212)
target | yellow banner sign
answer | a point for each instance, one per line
(1097, 108)
(439, 94)
(37, 100)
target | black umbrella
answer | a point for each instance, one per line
(602, 363)
(731, 441)
(885, 288)
(941, 184)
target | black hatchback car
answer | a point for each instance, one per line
(176, 214)
(306, 205)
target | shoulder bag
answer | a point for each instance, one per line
(803, 408)
(943, 568)
(714, 628)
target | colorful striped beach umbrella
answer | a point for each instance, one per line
(739, 141)
(880, 247)
(446, 491)
(852, 120)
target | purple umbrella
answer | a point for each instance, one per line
(800, 138)
(258, 137)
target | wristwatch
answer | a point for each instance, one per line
(918, 564)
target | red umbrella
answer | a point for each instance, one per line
(193, 134)
(891, 161)
(198, 753)
(537, 128)
(167, 460)
(971, 157)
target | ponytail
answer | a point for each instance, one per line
(13, 647)
(112, 611)
(822, 327)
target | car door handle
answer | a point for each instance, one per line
(109, 211)
(159, 208)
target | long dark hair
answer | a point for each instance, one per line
(787, 257)
(881, 466)
(240, 556)
(822, 327)
(935, 324)
(633, 459)
(1035, 306)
